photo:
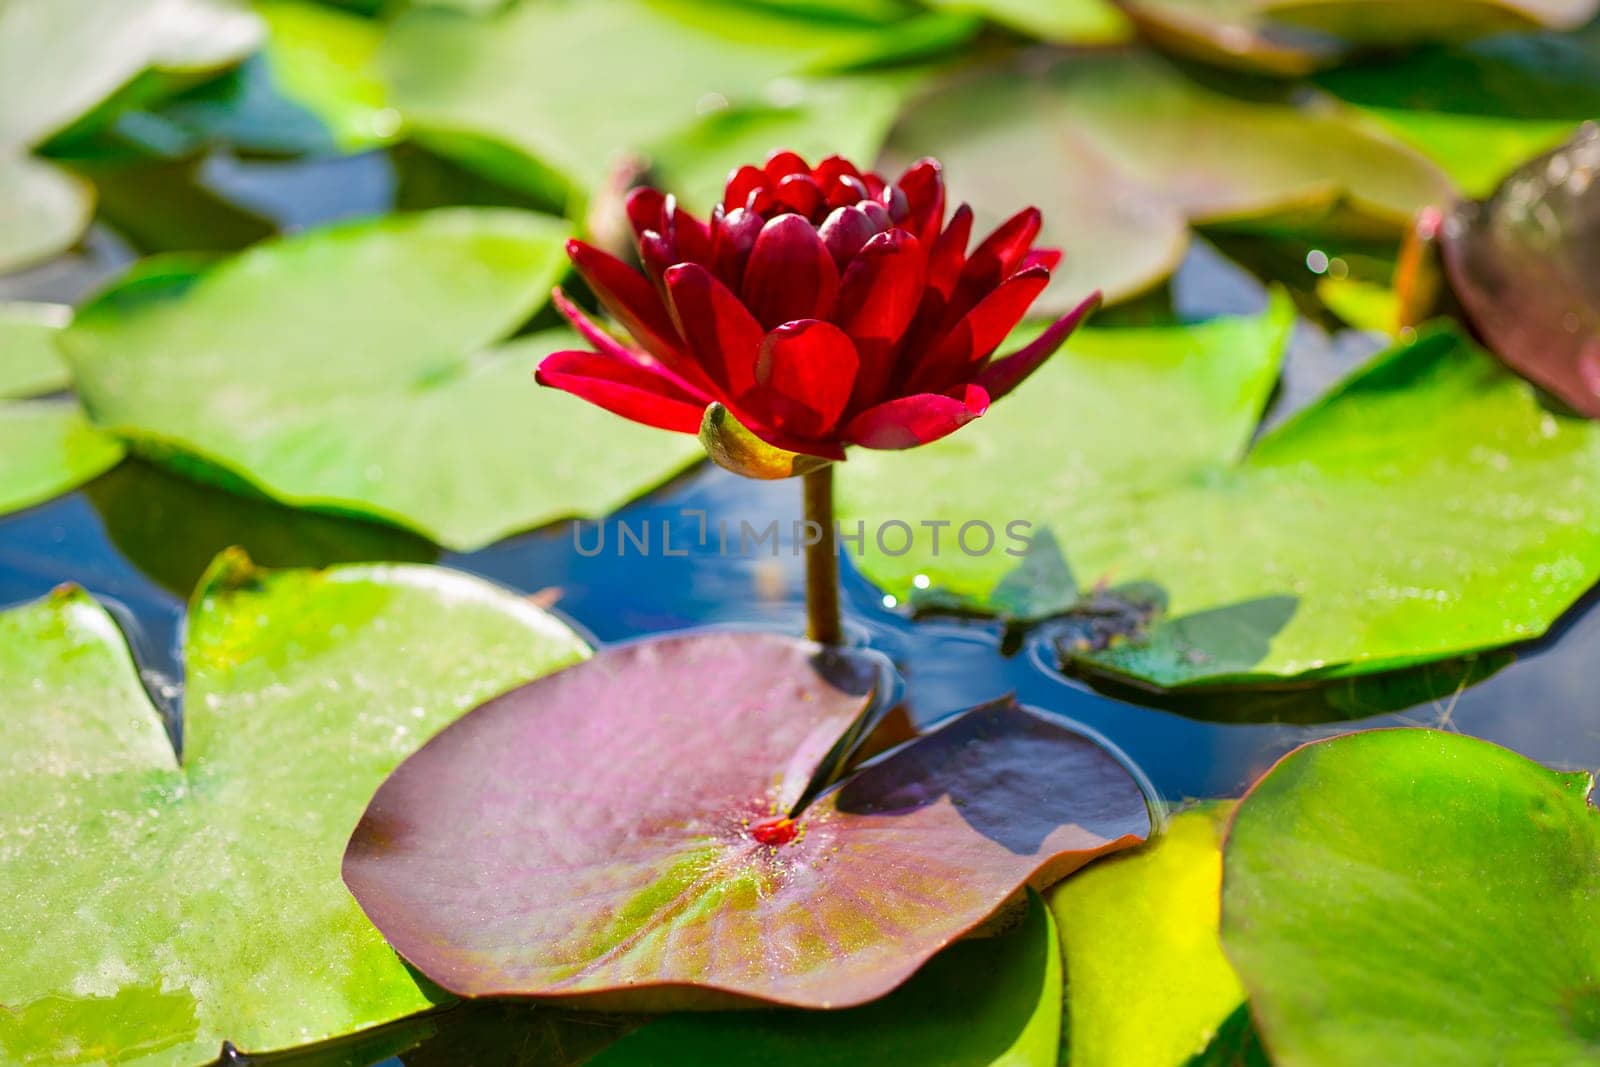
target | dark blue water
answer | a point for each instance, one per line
(138, 539)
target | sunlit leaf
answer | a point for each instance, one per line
(46, 446)
(1119, 149)
(1349, 538)
(205, 895)
(1063, 21)
(61, 58)
(1411, 896)
(1481, 110)
(1147, 982)
(313, 88)
(479, 89)
(981, 1002)
(356, 368)
(1526, 266)
(43, 210)
(29, 362)
(665, 855)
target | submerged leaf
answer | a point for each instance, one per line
(1411, 896)
(1526, 266)
(203, 897)
(638, 831)
(1348, 539)
(355, 368)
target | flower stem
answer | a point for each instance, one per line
(822, 561)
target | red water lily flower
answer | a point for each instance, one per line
(820, 307)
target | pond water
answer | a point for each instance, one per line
(139, 537)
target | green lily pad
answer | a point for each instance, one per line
(478, 89)
(1078, 22)
(314, 88)
(47, 447)
(43, 210)
(1120, 149)
(1293, 37)
(355, 368)
(60, 59)
(980, 1002)
(1411, 896)
(1483, 109)
(29, 362)
(204, 896)
(1349, 539)
(1147, 982)
(1361, 305)
(328, 63)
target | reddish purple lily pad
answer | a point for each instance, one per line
(618, 832)
(1525, 265)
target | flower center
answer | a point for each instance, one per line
(775, 832)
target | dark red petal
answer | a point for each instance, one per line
(874, 183)
(798, 193)
(629, 298)
(624, 389)
(997, 258)
(955, 357)
(949, 252)
(832, 167)
(895, 202)
(879, 295)
(761, 202)
(790, 275)
(782, 164)
(646, 209)
(1048, 258)
(1008, 372)
(844, 232)
(688, 235)
(741, 184)
(656, 253)
(723, 336)
(916, 420)
(878, 214)
(809, 368)
(923, 183)
(855, 190)
(681, 371)
(830, 170)
(735, 236)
